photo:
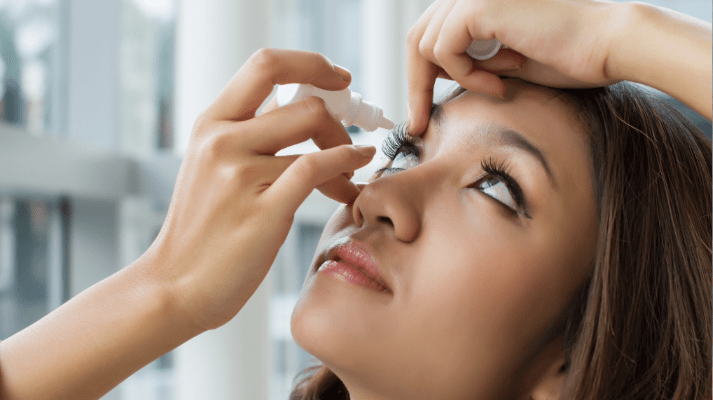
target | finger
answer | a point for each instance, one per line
(454, 39)
(505, 60)
(254, 81)
(312, 170)
(421, 75)
(271, 167)
(542, 74)
(430, 36)
(340, 189)
(271, 105)
(291, 124)
(443, 74)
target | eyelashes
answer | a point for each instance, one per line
(501, 170)
(400, 143)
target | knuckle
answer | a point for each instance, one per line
(216, 145)
(244, 173)
(425, 48)
(322, 59)
(210, 147)
(413, 36)
(317, 107)
(307, 166)
(201, 123)
(438, 51)
(346, 153)
(264, 58)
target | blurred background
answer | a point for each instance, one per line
(97, 100)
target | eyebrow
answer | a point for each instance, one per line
(502, 136)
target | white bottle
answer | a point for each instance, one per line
(483, 49)
(343, 104)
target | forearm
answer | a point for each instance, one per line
(93, 342)
(665, 50)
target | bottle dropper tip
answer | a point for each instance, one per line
(386, 123)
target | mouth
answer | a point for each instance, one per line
(352, 263)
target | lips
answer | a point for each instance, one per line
(357, 257)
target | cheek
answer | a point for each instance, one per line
(486, 294)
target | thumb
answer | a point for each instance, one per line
(313, 169)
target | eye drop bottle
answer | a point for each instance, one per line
(483, 49)
(344, 104)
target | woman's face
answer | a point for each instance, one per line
(480, 242)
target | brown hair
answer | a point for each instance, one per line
(641, 325)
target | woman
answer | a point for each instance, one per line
(500, 243)
(568, 236)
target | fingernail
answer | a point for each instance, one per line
(365, 151)
(343, 72)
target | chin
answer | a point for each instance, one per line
(338, 323)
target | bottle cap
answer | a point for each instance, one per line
(483, 49)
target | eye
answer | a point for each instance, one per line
(403, 160)
(496, 188)
(501, 186)
(402, 150)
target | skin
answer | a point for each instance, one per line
(583, 43)
(474, 286)
(235, 195)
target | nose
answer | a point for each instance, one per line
(389, 203)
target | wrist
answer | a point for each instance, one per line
(625, 21)
(168, 302)
(663, 49)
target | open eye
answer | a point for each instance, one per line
(496, 188)
(405, 156)
(401, 149)
(499, 184)
(404, 160)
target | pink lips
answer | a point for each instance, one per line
(355, 265)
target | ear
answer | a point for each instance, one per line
(550, 384)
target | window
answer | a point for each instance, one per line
(28, 61)
(33, 260)
(147, 75)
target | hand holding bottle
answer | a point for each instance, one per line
(234, 200)
(232, 206)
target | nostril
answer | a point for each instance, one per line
(386, 220)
